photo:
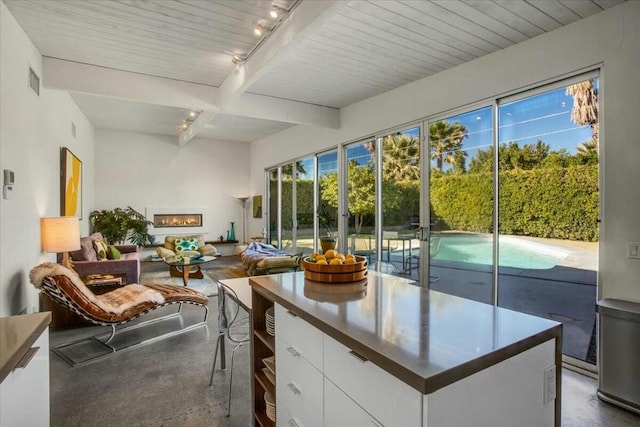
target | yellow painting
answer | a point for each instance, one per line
(71, 184)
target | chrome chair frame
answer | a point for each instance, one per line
(226, 322)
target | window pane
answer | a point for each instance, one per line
(461, 205)
(327, 208)
(304, 206)
(548, 210)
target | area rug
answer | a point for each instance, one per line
(206, 286)
(230, 272)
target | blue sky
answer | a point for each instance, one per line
(545, 117)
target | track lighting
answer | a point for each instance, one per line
(258, 30)
(275, 12)
(236, 60)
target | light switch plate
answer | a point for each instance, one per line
(549, 387)
(633, 250)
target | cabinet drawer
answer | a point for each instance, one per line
(306, 339)
(340, 410)
(296, 419)
(385, 397)
(298, 383)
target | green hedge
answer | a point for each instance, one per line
(559, 203)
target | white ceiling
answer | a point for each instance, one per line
(323, 56)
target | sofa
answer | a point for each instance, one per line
(192, 245)
(261, 258)
(86, 260)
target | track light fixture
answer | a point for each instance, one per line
(275, 12)
(236, 60)
(191, 117)
(258, 30)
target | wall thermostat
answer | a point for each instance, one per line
(7, 187)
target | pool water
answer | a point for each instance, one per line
(513, 252)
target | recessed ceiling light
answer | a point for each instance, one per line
(192, 114)
(258, 30)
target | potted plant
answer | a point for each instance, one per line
(119, 224)
(327, 219)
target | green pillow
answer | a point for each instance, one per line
(101, 249)
(186, 245)
(113, 253)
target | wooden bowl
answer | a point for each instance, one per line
(347, 277)
(339, 293)
(359, 265)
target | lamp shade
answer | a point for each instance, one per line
(60, 234)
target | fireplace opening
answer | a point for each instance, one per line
(177, 220)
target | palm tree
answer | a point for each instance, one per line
(445, 140)
(585, 106)
(400, 157)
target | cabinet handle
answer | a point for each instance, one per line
(293, 352)
(291, 313)
(358, 357)
(293, 388)
(293, 423)
(22, 363)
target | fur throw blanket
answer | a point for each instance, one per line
(116, 301)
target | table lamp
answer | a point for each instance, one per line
(60, 234)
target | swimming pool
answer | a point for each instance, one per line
(513, 251)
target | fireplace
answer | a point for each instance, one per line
(177, 220)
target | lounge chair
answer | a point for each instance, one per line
(117, 307)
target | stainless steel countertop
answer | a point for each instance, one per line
(425, 338)
(17, 335)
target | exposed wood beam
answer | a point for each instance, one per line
(91, 79)
(302, 22)
(198, 124)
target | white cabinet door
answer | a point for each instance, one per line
(388, 399)
(24, 394)
(304, 338)
(341, 411)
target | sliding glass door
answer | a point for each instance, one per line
(460, 245)
(548, 209)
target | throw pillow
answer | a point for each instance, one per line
(113, 252)
(101, 249)
(186, 245)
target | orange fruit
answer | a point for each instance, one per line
(330, 254)
(321, 258)
(349, 260)
(350, 256)
(335, 261)
(322, 262)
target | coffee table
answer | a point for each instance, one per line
(187, 267)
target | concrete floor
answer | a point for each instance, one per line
(167, 384)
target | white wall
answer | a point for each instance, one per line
(609, 38)
(145, 170)
(32, 130)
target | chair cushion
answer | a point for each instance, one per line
(187, 244)
(101, 249)
(113, 253)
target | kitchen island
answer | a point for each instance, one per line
(388, 352)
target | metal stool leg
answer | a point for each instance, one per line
(215, 357)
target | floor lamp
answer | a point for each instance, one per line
(243, 201)
(60, 234)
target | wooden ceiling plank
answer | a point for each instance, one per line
(505, 16)
(354, 34)
(459, 23)
(404, 17)
(582, 8)
(606, 4)
(391, 40)
(471, 14)
(557, 10)
(143, 30)
(348, 46)
(530, 13)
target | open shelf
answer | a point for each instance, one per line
(265, 383)
(268, 340)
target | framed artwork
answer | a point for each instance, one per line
(70, 184)
(257, 206)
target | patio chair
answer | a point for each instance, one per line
(113, 308)
(233, 326)
(434, 248)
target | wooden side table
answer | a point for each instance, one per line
(101, 283)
